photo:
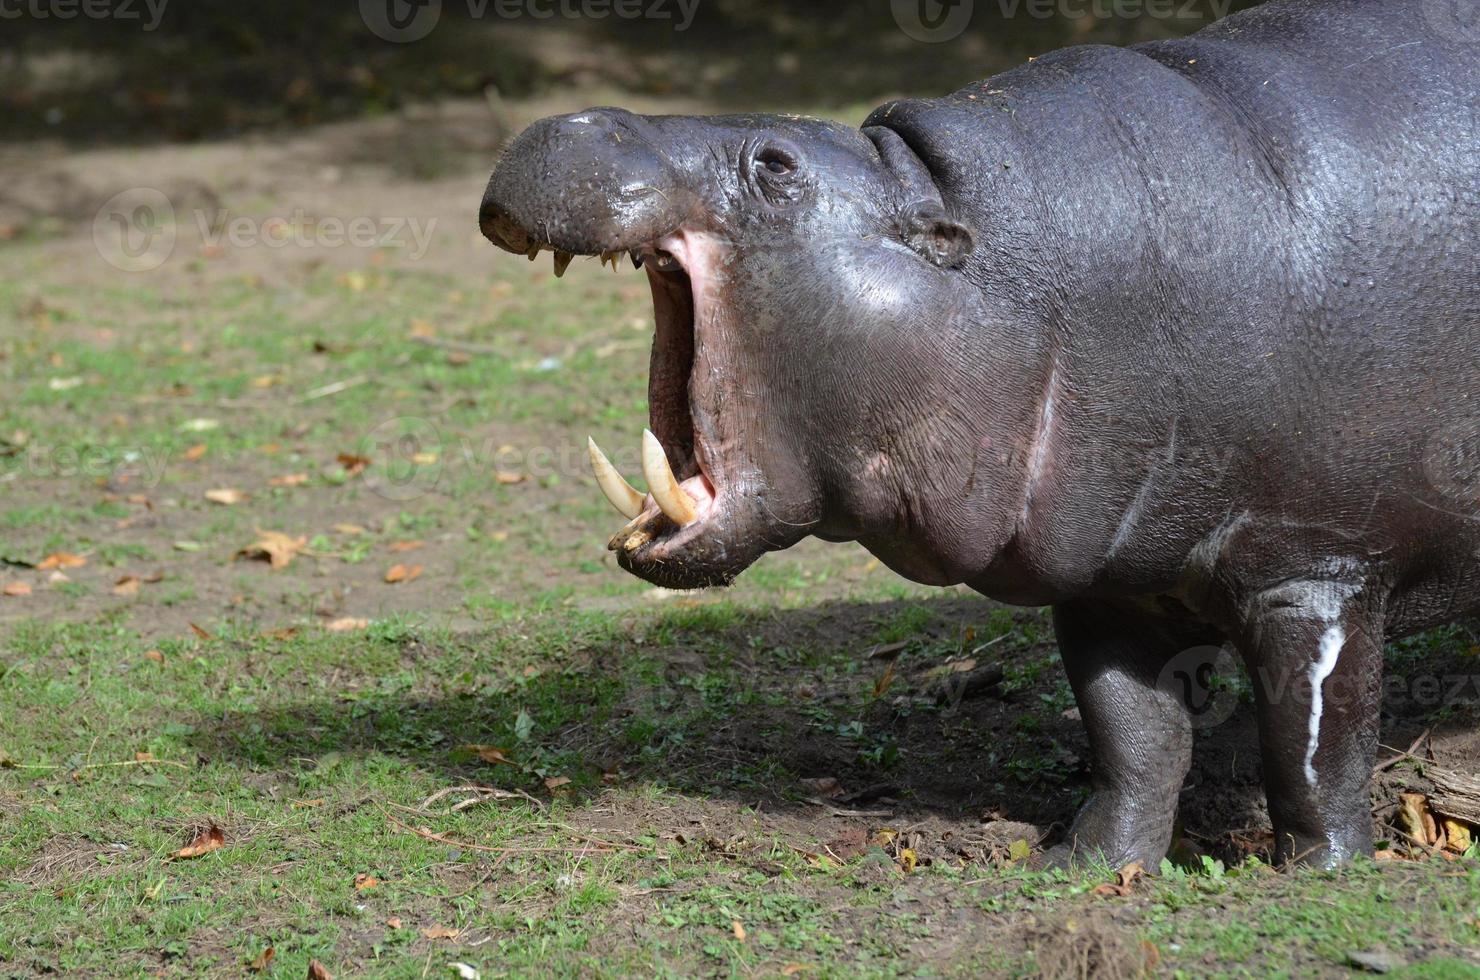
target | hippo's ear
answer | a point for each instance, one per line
(934, 234)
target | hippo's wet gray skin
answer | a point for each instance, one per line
(1182, 339)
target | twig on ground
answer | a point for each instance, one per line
(1409, 754)
(460, 346)
(429, 835)
(99, 765)
(335, 388)
(486, 793)
(833, 811)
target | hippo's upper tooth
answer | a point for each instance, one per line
(662, 484)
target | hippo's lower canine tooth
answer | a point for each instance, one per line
(562, 262)
(623, 497)
(662, 484)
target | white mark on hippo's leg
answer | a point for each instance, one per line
(1330, 650)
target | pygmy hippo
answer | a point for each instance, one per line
(1181, 339)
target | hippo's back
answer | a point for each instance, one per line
(1258, 251)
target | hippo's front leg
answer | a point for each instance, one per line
(1140, 734)
(1314, 653)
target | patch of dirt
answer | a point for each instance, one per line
(68, 860)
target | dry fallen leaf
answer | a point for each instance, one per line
(394, 922)
(1457, 836)
(61, 559)
(509, 479)
(154, 655)
(211, 838)
(274, 547)
(350, 529)
(128, 585)
(226, 496)
(491, 754)
(1124, 879)
(144, 757)
(440, 932)
(1416, 819)
(263, 958)
(881, 686)
(400, 546)
(16, 589)
(200, 631)
(402, 573)
(346, 624)
(353, 464)
(195, 452)
(825, 787)
(364, 882)
(908, 859)
(288, 480)
(555, 782)
(738, 929)
(316, 971)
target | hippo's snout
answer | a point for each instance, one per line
(586, 183)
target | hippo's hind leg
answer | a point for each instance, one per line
(1314, 653)
(1118, 657)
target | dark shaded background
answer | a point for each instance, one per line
(218, 68)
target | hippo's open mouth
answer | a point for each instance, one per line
(675, 531)
(682, 482)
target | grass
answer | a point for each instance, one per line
(670, 748)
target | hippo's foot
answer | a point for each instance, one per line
(1113, 830)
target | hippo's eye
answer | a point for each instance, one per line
(776, 161)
